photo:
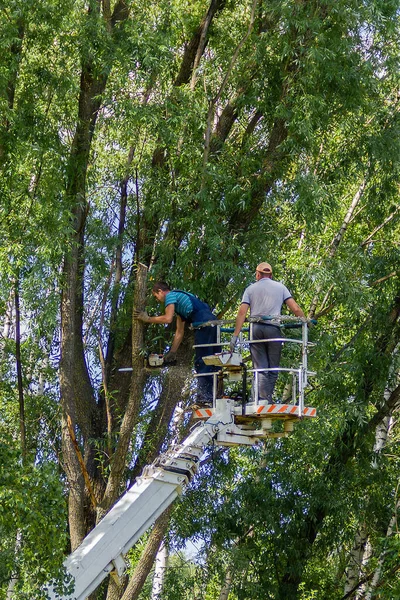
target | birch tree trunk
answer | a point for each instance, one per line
(14, 576)
(392, 528)
(361, 551)
(160, 567)
(224, 594)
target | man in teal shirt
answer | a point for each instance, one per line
(189, 309)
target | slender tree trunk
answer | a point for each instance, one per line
(15, 55)
(8, 317)
(146, 561)
(160, 567)
(118, 269)
(392, 528)
(22, 429)
(362, 551)
(14, 576)
(226, 588)
(129, 420)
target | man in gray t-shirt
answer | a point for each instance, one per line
(265, 298)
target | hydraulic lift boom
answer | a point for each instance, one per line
(103, 550)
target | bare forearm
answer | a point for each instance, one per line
(240, 318)
(160, 319)
(294, 308)
(178, 337)
(176, 342)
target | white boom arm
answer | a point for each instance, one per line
(103, 549)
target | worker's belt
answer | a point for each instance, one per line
(205, 324)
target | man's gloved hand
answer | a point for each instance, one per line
(233, 342)
(141, 315)
(170, 358)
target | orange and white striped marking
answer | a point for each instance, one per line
(262, 410)
(204, 413)
(283, 409)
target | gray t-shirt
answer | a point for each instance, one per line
(265, 297)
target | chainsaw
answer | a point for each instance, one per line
(155, 360)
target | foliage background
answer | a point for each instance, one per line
(199, 138)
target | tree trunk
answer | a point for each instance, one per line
(129, 420)
(77, 396)
(175, 382)
(15, 54)
(392, 528)
(148, 556)
(226, 588)
(14, 575)
(161, 564)
(22, 431)
(362, 551)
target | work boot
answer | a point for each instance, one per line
(204, 402)
(266, 400)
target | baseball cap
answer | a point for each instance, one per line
(264, 267)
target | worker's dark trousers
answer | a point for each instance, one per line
(205, 335)
(266, 355)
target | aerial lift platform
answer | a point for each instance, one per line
(231, 367)
(228, 422)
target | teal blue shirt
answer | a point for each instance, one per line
(183, 303)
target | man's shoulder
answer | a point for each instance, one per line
(252, 286)
(262, 285)
(174, 295)
(276, 283)
(171, 297)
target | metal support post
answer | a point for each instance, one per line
(294, 388)
(219, 333)
(244, 387)
(301, 392)
(304, 351)
(215, 386)
(256, 387)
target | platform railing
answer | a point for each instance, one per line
(299, 375)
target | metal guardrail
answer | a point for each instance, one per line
(299, 375)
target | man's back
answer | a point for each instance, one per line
(183, 302)
(266, 297)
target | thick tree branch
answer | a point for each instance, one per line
(146, 561)
(215, 100)
(195, 48)
(129, 420)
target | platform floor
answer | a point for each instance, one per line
(261, 411)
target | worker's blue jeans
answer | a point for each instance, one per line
(266, 355)
(205, 335)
